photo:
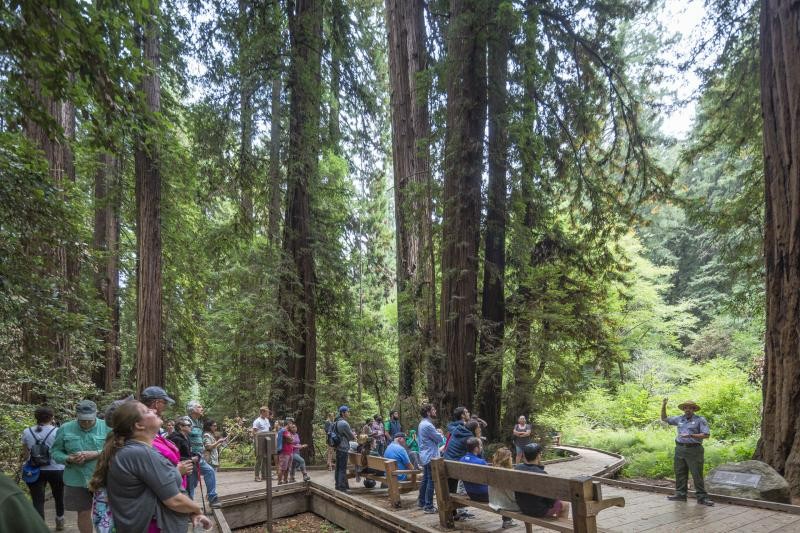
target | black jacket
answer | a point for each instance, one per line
(180, 440)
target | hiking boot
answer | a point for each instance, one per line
(430, 510)
(306, 477)
(508, 523)
(59, 523)
(214, 503)
(676, 498)
(705, 501)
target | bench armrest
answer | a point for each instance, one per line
(593, 508)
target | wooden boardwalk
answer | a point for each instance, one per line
(643, 511)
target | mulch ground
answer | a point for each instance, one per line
(301, 523)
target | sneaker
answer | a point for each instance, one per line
(257, 480)
(430, 510)
(59, 523)
(467, 514)
(676, 498)
(705, 501)
(214, 502)
(306, 477)
(508, 523)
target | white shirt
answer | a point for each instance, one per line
(28, 439)
(261, 424)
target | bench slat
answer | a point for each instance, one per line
(560, 524)
(530, 482)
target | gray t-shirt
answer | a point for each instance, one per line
(47, 435)
(138, 481)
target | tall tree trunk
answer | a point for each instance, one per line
(149, 356)
(493, 305)
(246, 90)
(275, 161)
(46, 339)
(416, 292)
(466, 116)
(106, 278)
(780, 86)
(298, 367)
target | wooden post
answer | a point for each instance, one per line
(394, 484)
(442, 492)
(267, 448)
(582, 492)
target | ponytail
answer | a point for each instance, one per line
(113, 444)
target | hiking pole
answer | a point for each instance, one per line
(200, 482)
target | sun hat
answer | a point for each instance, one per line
(689, 403)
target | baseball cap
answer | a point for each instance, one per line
(343, 408)
(156, 393)
(86, 410)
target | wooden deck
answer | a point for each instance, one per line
(643, 511)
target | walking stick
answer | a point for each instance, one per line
(200, 482)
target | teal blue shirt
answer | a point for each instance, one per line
(71, 438)
(196, 436)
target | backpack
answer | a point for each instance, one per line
(279, 440)
(333, 438)
(40, 452)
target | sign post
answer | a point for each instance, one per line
(266, 441)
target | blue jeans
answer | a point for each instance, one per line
(425, 499)
(209, 478)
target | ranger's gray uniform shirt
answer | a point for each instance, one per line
(696, 425)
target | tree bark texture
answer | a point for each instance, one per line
(47, 339)
(466, 116)
(493, 305)
(275, 162)
(149, 356)
(246, 91)
(106, 278)
(779, 445)
(297, 368)
(416, 286)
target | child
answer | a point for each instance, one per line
(285, 454)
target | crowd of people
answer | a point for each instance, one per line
(122, 470)
(130, 469)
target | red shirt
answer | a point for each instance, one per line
(288, 444)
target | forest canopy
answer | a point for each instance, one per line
(310, 203)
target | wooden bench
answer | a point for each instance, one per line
(388, 467)
(583, 494)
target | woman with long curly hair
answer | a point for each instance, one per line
(143, 486)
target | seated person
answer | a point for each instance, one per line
(397, 451)
(499, 497)
(475, 491)
(530, 504)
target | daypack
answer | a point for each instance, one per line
(279, 440)
(333, 438)
(40, 452)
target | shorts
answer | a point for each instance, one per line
(555, 510)
(284, 461)
(77, 499)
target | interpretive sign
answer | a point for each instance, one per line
(739, 479)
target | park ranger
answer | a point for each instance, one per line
(692, 429)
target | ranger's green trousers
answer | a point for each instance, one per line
(689, 459)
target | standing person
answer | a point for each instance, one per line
(530, 504)
(329, 422)
(40, 439)
(195, 411)
(16, 512)
(77, 446)
(286, 452)
(170, 427)
(378, 434)
(393, 426)
(158, 400)
(180, 438)
(143, 486)
(260, 425)
(211, 444)
(429, 442)
(522, 436)
(345, 433)
(297, 460)
(689, 453)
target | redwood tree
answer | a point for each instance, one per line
(297, 368)
(466, 116)
(416, 291)
(149, 357)
(780, 86)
